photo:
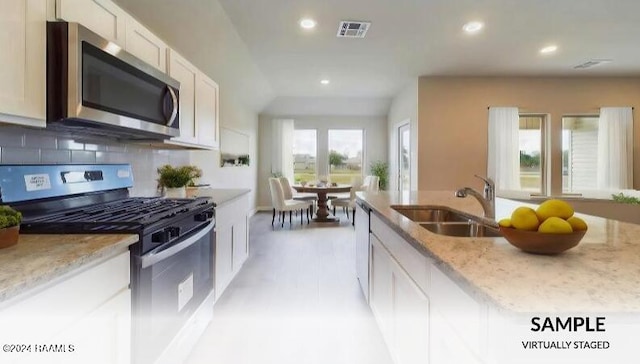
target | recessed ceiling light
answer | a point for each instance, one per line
(473, 27)
(307, 23)
(549, 49)
(325, 82)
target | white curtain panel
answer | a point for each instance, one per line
(615, 148)
(282, 147)
(503, 165)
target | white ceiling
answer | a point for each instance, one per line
(409, 38)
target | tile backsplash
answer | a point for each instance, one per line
(32, 146)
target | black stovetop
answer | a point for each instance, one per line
(125, 215)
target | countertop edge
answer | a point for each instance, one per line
(32, 286)
(450, 271)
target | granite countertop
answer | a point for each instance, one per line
(39, 259)
(601, 274)
(221, 195)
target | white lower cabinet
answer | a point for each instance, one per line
(400, 307)
(86, 315)
(424, 316)
(232, 241)
(380, 290)
(411, 320)
(223, 259)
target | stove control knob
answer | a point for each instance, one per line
(173, 231)
(160, 237)
(202, 216)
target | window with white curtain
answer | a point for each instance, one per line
(516, 151)
(597, 152)
(579, 153)
(615, 148)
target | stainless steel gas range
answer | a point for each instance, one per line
(172, 263)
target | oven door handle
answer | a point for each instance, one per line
(159, 254)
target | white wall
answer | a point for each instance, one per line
(403, 107)
(375, 142)
(203, 33)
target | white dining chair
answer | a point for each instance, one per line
(347, 203)
(281, 205)
(290, 195)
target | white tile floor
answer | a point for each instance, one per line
(296, 300)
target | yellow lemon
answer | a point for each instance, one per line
(554, 208)
(524, 218)
(577, 223)
(505, 223)
(555, 225)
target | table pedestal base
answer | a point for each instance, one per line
(322, 214)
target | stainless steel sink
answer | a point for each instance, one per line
(463, 229)
(444, 221)
(430, 214)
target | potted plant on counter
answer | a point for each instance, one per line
(174, 180)
(9, 226)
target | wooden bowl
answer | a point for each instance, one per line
(9, 236)
(542, 243)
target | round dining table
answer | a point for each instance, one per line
(322, 213)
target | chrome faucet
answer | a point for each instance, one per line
(488, 200)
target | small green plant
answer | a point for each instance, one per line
(174, 177)
(622, 198)
(381, 170)
(9, 217)
(243, 159)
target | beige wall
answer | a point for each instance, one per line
(452, 114)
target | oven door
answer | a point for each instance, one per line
(171, 284)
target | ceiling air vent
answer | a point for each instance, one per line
(353, 29)
(592, 63)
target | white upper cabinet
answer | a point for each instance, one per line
(22, 75)
(185, 73)
(101, 16)
(145, 45)
(207, 110)
(198, 104)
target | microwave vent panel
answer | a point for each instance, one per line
(353, 29)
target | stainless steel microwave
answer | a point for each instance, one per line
(96, 88)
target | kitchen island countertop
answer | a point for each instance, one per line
(39, 260)
(601, 274)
